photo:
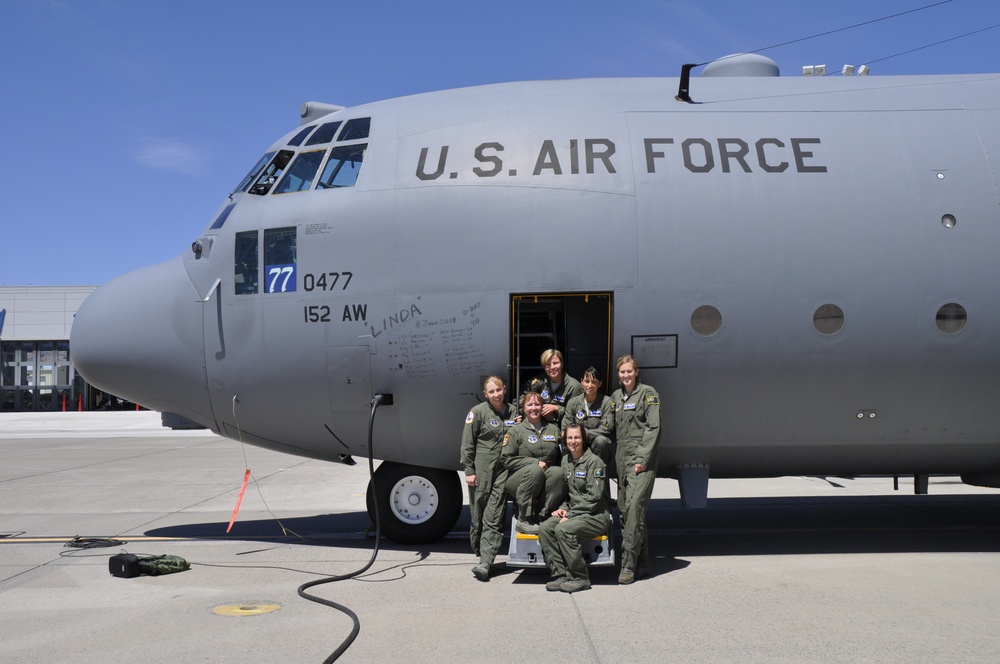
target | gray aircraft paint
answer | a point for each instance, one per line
(766, 198)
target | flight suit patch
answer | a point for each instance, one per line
(494, 422)
(545, 394)
(580, 415)
(599, 472)
(549, 438)
(532, 439)
(470, 417)
(595, 413)
(509, 423)
(630, 406)
(581, 473)
(506, 439)
(652, 401)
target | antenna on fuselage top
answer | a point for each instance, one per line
(685, 85)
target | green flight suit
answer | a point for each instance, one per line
(597, 418)
(535, 491)
(637, 433)
(482, 439)
(588, 515)
(560, 396)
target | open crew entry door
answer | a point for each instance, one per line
(577, 324)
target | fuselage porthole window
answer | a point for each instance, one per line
(706, 320)
(272, 172)
(246, 274)
(828, 319)
(301, 173)
(951, 318)
(299, 137)
(355, 129)
(343, 166)
(279, 260)
(324, 134)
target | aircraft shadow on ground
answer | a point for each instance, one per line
(728, 526)
(848, 524)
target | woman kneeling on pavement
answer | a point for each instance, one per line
(584, 515)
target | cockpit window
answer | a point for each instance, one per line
(343, 166)
(279, 260)
(272, 172)
(297, 139)
(254, 172)
(355, 129)
(324, 134)
(245, 271)
(301, 173)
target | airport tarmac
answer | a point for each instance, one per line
(795, 569)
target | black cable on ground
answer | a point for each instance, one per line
(376, 402)
(92, 542)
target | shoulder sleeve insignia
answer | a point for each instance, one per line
(506, 439)
(653, 400)
(470, 417)
(599, 472)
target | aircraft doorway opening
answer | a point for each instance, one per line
(577, 324)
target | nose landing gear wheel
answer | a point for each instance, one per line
(417, 505)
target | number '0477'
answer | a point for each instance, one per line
(326, 281)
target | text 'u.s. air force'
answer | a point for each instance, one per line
(588, 156)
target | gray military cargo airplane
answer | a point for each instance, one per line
(806, 268)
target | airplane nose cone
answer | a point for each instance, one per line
(141, 338)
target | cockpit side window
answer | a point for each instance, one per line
(324, 134)
(279, 259)
(343, 166)
(355, 129)
(272, 172)
(254, 172)
(301, 173)
(297, 139)
(246, 273)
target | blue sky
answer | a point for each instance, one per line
(126, 122)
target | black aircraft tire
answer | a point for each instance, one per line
(417, 505)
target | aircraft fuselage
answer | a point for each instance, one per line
(804, 268)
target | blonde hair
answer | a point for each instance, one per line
(494, 379)
(625, 359)
(549, 354)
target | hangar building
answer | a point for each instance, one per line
(36, 370)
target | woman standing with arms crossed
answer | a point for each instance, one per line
(555, 387)
(482, 437)
(637, 428)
